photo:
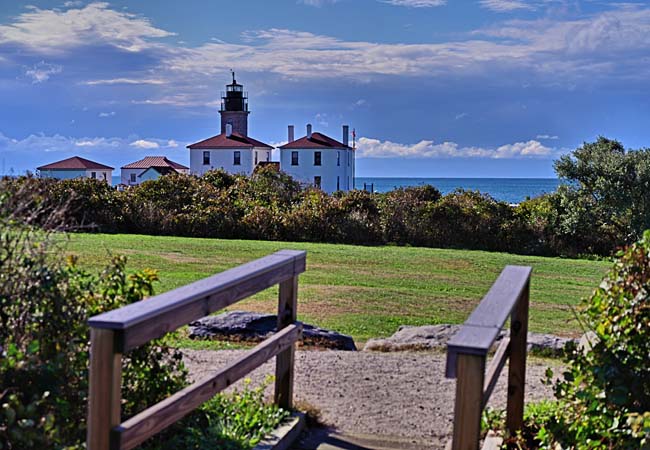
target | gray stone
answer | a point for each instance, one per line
(431, 337)
(243, 326)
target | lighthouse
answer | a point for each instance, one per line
(234, 108)
(232, 149)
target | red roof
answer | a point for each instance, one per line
(74, 163)
(154, 161)
(317, 140)
(232, 141)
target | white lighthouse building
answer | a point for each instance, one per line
(232, 149)
(319, 160)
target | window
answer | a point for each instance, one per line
(338, 183)
(268, 156)
(294, 158)
(93, 174)
(132, 179)
(317, 181)
(104, 175)
(338, 158)
(255, 158)
(348, 153)
(237, 158)
(317, 158)
(206, 158)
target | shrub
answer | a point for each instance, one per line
(604, 395)
(44, 306)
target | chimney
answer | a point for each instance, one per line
(346, 134)
(308, 130)
(291, 138)
(228, 129)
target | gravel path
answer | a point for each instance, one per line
(402, 394)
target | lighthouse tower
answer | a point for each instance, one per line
(234, 108)
(232, 149)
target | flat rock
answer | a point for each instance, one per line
(247, 326)
(430, 337)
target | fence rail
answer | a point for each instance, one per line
(116, 332)
(467, 353)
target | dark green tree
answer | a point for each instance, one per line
(606, 198)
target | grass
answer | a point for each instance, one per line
(362, 291)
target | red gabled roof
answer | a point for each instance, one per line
(232, 141)
(74, 163)
(154, 161)
(317, 140)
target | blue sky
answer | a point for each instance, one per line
(455, 88)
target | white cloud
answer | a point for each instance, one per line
(106, 114)
(505, 5)
(555, 51)
(317, 3)
(374, 148)
(547, 137)
(42, 72)
(461, 115)
(417, 3)
(46, 31)
(96, 142)
(142, 143)
(113, 81)
(172, 143)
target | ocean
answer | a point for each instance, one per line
(511, 190)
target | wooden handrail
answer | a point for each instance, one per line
(116, 332)
(467, 353)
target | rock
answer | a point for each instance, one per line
(431, 337)
(254, 327)
(407, 337)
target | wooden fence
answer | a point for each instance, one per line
(116, 332)
(467, 353)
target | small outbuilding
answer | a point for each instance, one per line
(76, 167)
(150, 168)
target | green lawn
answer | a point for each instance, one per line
(362, 291)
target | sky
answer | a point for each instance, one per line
(433, 88)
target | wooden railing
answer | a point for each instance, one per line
(116, 332)
(467, 353)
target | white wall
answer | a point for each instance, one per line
(305, 171)
(125, 176)
(221, 159)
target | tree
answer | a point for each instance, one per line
(605, 201)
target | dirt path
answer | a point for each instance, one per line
(403, 395)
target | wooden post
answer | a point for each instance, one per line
(284, 362)
(517, 365)
(470, 370)
(104, 395)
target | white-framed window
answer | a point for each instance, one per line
(237, 158)
(132, 178)
(294, 158)
(206, 158)
(93, 175)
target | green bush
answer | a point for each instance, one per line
(603, 398)
(45, 302)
